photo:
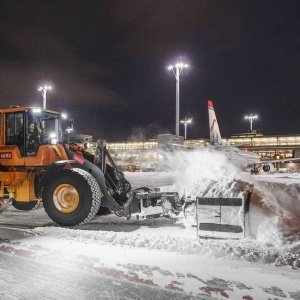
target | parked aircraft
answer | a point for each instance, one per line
(241, 158)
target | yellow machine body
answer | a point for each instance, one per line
(17, 171)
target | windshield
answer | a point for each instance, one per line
(48, 125)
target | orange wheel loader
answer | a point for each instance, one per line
(39, 165)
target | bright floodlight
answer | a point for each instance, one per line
(177, 69)
(44, 90)
(45, 87)
(251, 118)
(64, 115)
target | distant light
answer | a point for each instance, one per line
(36, 110)
(69, 129)
(64, 115)
(170, 67)
(186, 121)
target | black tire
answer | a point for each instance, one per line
(25, 205)
(266, 168)
(4, 204)
(89, 193)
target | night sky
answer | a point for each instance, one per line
(107, 63)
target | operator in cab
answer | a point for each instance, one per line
(35, 137)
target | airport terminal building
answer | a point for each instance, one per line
(144, 154)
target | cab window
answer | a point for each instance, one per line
(14, 128)
(1, 141)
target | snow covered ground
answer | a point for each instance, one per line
(115, 258)
(154, 256)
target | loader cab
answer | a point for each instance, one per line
(29, 128)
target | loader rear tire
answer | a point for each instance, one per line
(25, 205)
(72, 197)
(4, 207)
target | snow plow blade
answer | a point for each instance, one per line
(220, 201)
(222, 217)
(220, 227)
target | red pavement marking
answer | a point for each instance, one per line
(247, 297)
(172, 286)
(111, 272)
(210, 290)
(11, 250)
(131, 276)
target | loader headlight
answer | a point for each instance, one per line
(52, 135)
(64, 115)
(36, 110)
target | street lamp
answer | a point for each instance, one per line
(186, 122)
(69, 130)
(177, 69)
(251, 118)
(44, 90)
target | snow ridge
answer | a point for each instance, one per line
(245, 249)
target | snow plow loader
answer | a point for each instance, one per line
(39, 164)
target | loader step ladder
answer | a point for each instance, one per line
(221, 217)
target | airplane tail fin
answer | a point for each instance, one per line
(214, 131)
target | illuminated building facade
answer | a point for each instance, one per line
(268, 147)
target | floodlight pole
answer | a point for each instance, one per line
(186, 122)
(69, 130)
(251, 118)
(43, 90)
(177, 69)
(177, 77)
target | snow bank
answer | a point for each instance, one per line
(274, 214)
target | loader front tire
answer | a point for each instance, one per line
(72, 197)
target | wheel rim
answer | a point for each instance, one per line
(66, 198)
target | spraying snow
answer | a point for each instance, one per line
(204, 173)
